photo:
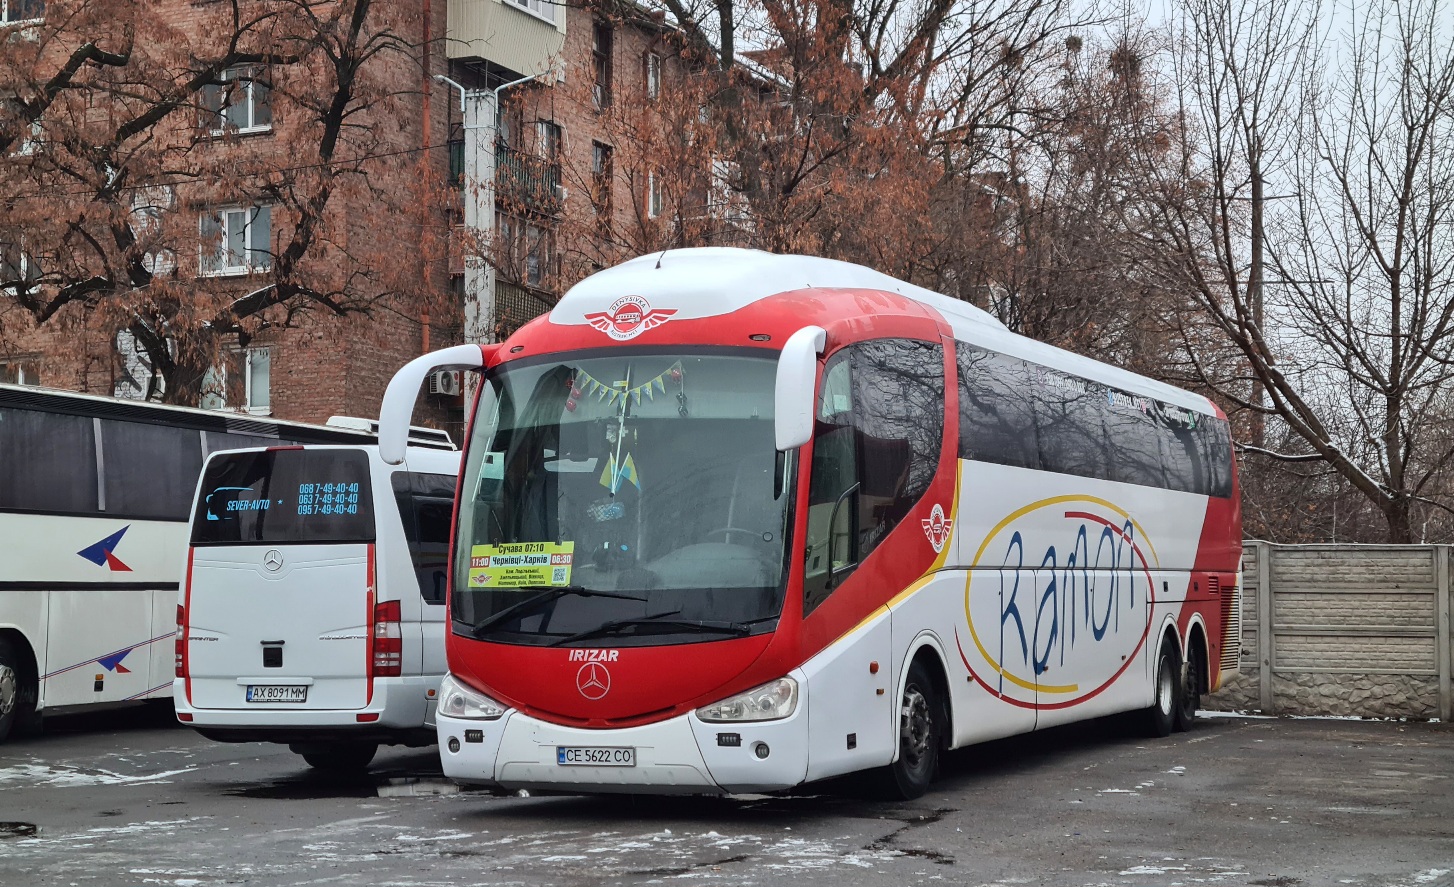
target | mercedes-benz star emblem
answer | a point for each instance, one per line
(273, 560)
(593, 680)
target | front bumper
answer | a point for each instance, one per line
(682, 755)
(401, 708)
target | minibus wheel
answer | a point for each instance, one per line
(341, 757)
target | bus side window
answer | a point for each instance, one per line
(58, 473)
(426, 506)
(833, 474)
(879, 433)
(151, 471)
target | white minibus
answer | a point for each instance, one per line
(313, 603)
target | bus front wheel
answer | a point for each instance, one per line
(922, 725)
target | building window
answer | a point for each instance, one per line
(257, 393)
(33, 140)
(20, 371)
(17, 267)
(654, 200)
(601, 38)
(653, 76)
(21, 10)
(601, 176)
(219, 391)
(528, 250)
(240, 103)
(542, 8)
(548, 135)
(235, 241)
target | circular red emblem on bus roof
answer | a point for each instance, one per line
(629, 317)
(593, 680)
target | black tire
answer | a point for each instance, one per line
(1189, 699)
(922, 725)
(1160, 716)
(17, 691)
(343, 757)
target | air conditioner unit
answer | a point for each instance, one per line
(446, 382)
(561, 193)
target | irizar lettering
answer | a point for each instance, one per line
(594, 655)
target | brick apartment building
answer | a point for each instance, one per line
(556, 156)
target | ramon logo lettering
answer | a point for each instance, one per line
(629, 317)
(1060, 604)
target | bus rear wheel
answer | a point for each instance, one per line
(922, 724)
(1190, 698)
(342, 757)
(1159, 718)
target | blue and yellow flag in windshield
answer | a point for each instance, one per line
(612, 476)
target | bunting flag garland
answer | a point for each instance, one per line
(609, 393)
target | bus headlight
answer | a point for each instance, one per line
(458, 701)
(770, 702)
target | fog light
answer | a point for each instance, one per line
(761, 750)
(454, 743)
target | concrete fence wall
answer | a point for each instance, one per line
(1358, 630)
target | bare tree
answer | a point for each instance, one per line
(1311, 216)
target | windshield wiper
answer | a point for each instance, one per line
(627, 626)
(544, 597)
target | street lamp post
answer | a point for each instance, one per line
(479, 111)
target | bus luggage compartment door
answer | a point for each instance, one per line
(279, 627)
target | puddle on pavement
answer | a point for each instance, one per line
(410, 787)
(17, 830)
(323, 786)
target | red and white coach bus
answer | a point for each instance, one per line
(731, 522)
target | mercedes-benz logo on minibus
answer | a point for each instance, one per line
(593, 680)
(273, 560)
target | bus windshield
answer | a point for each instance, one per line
(630, 498)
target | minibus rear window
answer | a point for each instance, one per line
(273, 497)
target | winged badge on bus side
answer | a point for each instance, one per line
(936, 527)
(629, 317)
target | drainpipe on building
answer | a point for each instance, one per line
(479, 110)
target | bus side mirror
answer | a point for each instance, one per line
(797, 379)
(398, 406)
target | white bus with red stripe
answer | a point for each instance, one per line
(313, 608)
(732, 522)
(94, 498)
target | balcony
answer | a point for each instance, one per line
(519, 35)
(527, 182)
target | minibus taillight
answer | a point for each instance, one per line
(180, 644)
(388, 640)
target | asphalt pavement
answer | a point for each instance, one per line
(130, 798)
